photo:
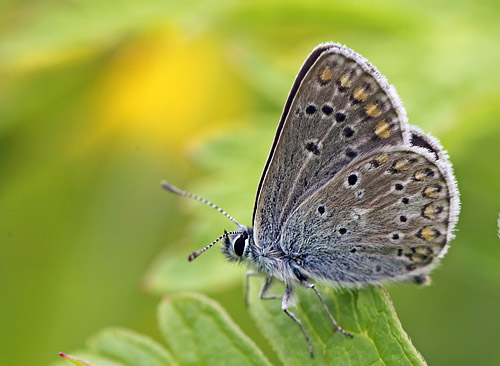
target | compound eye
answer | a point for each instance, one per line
(239, 245)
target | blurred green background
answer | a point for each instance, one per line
(99, 101)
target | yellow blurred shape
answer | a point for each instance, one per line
(167, 89)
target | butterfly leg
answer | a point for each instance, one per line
(284, 306)
(247, 284)
(337, 326)
(265, 287)
(263, 290)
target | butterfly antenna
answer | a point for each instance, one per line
(194, 255)
(180, 192)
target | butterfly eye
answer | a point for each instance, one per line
(239, 245)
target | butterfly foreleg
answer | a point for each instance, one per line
(336, 325)
(263, 289)
(247, 284)
(284, 306)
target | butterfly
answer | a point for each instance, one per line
(351, 195)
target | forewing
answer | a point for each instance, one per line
(339, 108)
(387, 216)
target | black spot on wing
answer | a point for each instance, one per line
(313, 147)
(419, 141)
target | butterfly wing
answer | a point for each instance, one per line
(387, 216)
(339, 107)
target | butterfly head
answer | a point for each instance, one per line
(236, 245)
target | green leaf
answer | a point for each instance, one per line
(368, 314)
(86, 358)
(122, 347)
(90, 358)
(131, 348)
(74, 360)
(199, 332)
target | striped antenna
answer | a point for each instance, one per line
(180, 192)
(195, 255)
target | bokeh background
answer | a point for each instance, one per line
(101, 100)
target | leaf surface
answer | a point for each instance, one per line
(368, 314)
(199, 332)
(130, 348)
